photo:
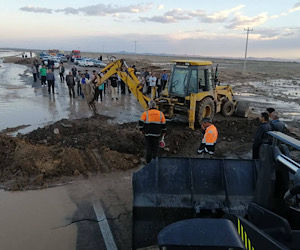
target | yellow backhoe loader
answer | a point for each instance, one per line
(191, 90)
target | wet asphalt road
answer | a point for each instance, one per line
(23, 102)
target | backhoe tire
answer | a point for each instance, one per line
(242, 109)
(228, 109)
(205, 109)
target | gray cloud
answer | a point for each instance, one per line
(69, 10)
(175, 15)
(93, 10)
(297, 5)
(36, 9)
(178, 14)
(278, 33)
(240, 21)
(158, 19)
(104, 10)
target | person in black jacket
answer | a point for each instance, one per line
(275, 123)
(71, 83)
(261, 136)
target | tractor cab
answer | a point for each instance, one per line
(189, 77)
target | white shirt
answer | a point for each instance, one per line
(152, 81)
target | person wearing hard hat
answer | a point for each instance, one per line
(153, 124)
(210, 137)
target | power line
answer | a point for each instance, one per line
(246, 50)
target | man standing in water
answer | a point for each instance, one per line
(62, 72)
(43, 73)
(50, 80)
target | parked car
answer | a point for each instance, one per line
(45, 59)
(77, 60)
(62, 58)
(86, 63)
(99, 63)
(56, 64)
(43, 55)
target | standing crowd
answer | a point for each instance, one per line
(85, 85)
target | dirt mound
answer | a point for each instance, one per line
(94, 132)
(66, 149)
(235, 137)
(70, 148)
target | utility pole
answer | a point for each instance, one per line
(246, 50)
(135, 48)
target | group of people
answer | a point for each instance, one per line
(153, 125)
(153, 82)
(79, 80)
(269, 121)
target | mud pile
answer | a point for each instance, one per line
(234, 140)
(66, 149)
(70, 148)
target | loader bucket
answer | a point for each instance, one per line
(172, 189)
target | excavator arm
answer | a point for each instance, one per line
(128, 77)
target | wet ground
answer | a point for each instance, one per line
(64, 217)
(281, 94)
(23, 102)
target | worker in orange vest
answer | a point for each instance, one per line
(210, 137)
(153, 124)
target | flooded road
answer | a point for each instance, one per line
(23, 102)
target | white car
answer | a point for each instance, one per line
(77, 60)
(98, 63)
(86, 63)
(56, 64)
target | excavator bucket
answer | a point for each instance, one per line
(172, 189)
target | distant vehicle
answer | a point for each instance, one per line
(86, 63)
(77, 60)
(55, 60)
(43, 55)
(75, 54)
(56, 64)
(62, 58)
(53, 52)
(99, 63)
(45, 59)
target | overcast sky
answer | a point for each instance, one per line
(207, 28)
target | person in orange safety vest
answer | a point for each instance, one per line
(153, 124)
(210, 137)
